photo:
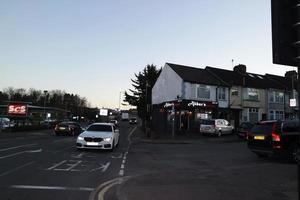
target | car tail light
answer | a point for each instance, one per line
(275, 136)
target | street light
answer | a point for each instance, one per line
(45, 95)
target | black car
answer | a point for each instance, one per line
(275, 138)
(68, 128)
(243, 129)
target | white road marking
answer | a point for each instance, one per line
(78, 156)
(56, 165)
(70, 165)
(122, 166)
(103, 168)
(121, 172)
(123, 161)
(117, 156)
(35, 151)
(16, 147)
(11, 155)
(64, 140)
(17, 168)
(38, 187)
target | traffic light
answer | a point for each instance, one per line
(285, 31)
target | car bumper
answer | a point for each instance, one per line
(100, 145)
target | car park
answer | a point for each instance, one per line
(68, 128)
(216, 127)
(243, 130)
(98, 136)
(133, 120)
(275, 138)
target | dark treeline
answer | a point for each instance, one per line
(53, 98)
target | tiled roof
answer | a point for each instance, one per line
(286, 82)
(196, 75)
(246, 80)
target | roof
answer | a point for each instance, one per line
(286, 82)
(247, 80)
(196, 75)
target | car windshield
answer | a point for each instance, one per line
(208, 122)
(262, 129)
(105, 128)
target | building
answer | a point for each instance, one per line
(182, 96)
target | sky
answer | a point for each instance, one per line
(93, 48)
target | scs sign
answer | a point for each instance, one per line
(17, 109)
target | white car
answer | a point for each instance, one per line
(216, 127)
(98, 136)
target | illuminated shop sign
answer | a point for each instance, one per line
(14, 109)
(167, 105)
(198, 104)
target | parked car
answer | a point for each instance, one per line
(243, 130)
(216, 127)
(98, 136)
(67, 127)
(275, 138)
(6, 123)
(133, 120)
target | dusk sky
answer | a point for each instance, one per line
(93, 48)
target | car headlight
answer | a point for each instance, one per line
(80, 138)
(107, 139)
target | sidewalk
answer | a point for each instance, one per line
(183, 138)
(12, 134)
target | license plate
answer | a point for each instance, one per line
(259, 137)
(92, 143)
(62, 128)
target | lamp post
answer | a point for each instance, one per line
(45, 95)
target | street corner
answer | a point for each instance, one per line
(109, 189)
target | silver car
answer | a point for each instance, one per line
(216, 127)
(98, 136)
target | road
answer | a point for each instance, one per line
(39, 165)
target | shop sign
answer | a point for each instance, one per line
(17, 109)
(196, 104)
(167, 105)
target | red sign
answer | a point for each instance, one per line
(14, 109)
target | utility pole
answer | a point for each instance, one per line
(45, 96)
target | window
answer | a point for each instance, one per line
(276, 97)
(203, 91)
(252, 94)
(234, 92)
(222, 93)
(276, 114)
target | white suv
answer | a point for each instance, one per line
(216, 127)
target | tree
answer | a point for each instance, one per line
(141, 95)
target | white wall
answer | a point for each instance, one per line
(167, 86)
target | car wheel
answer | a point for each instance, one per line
(294, 153)
(219, 133)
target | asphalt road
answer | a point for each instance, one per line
(38, 165)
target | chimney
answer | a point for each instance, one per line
(240, 68)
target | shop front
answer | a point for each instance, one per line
(182, 115)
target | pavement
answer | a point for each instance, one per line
(208, 168)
